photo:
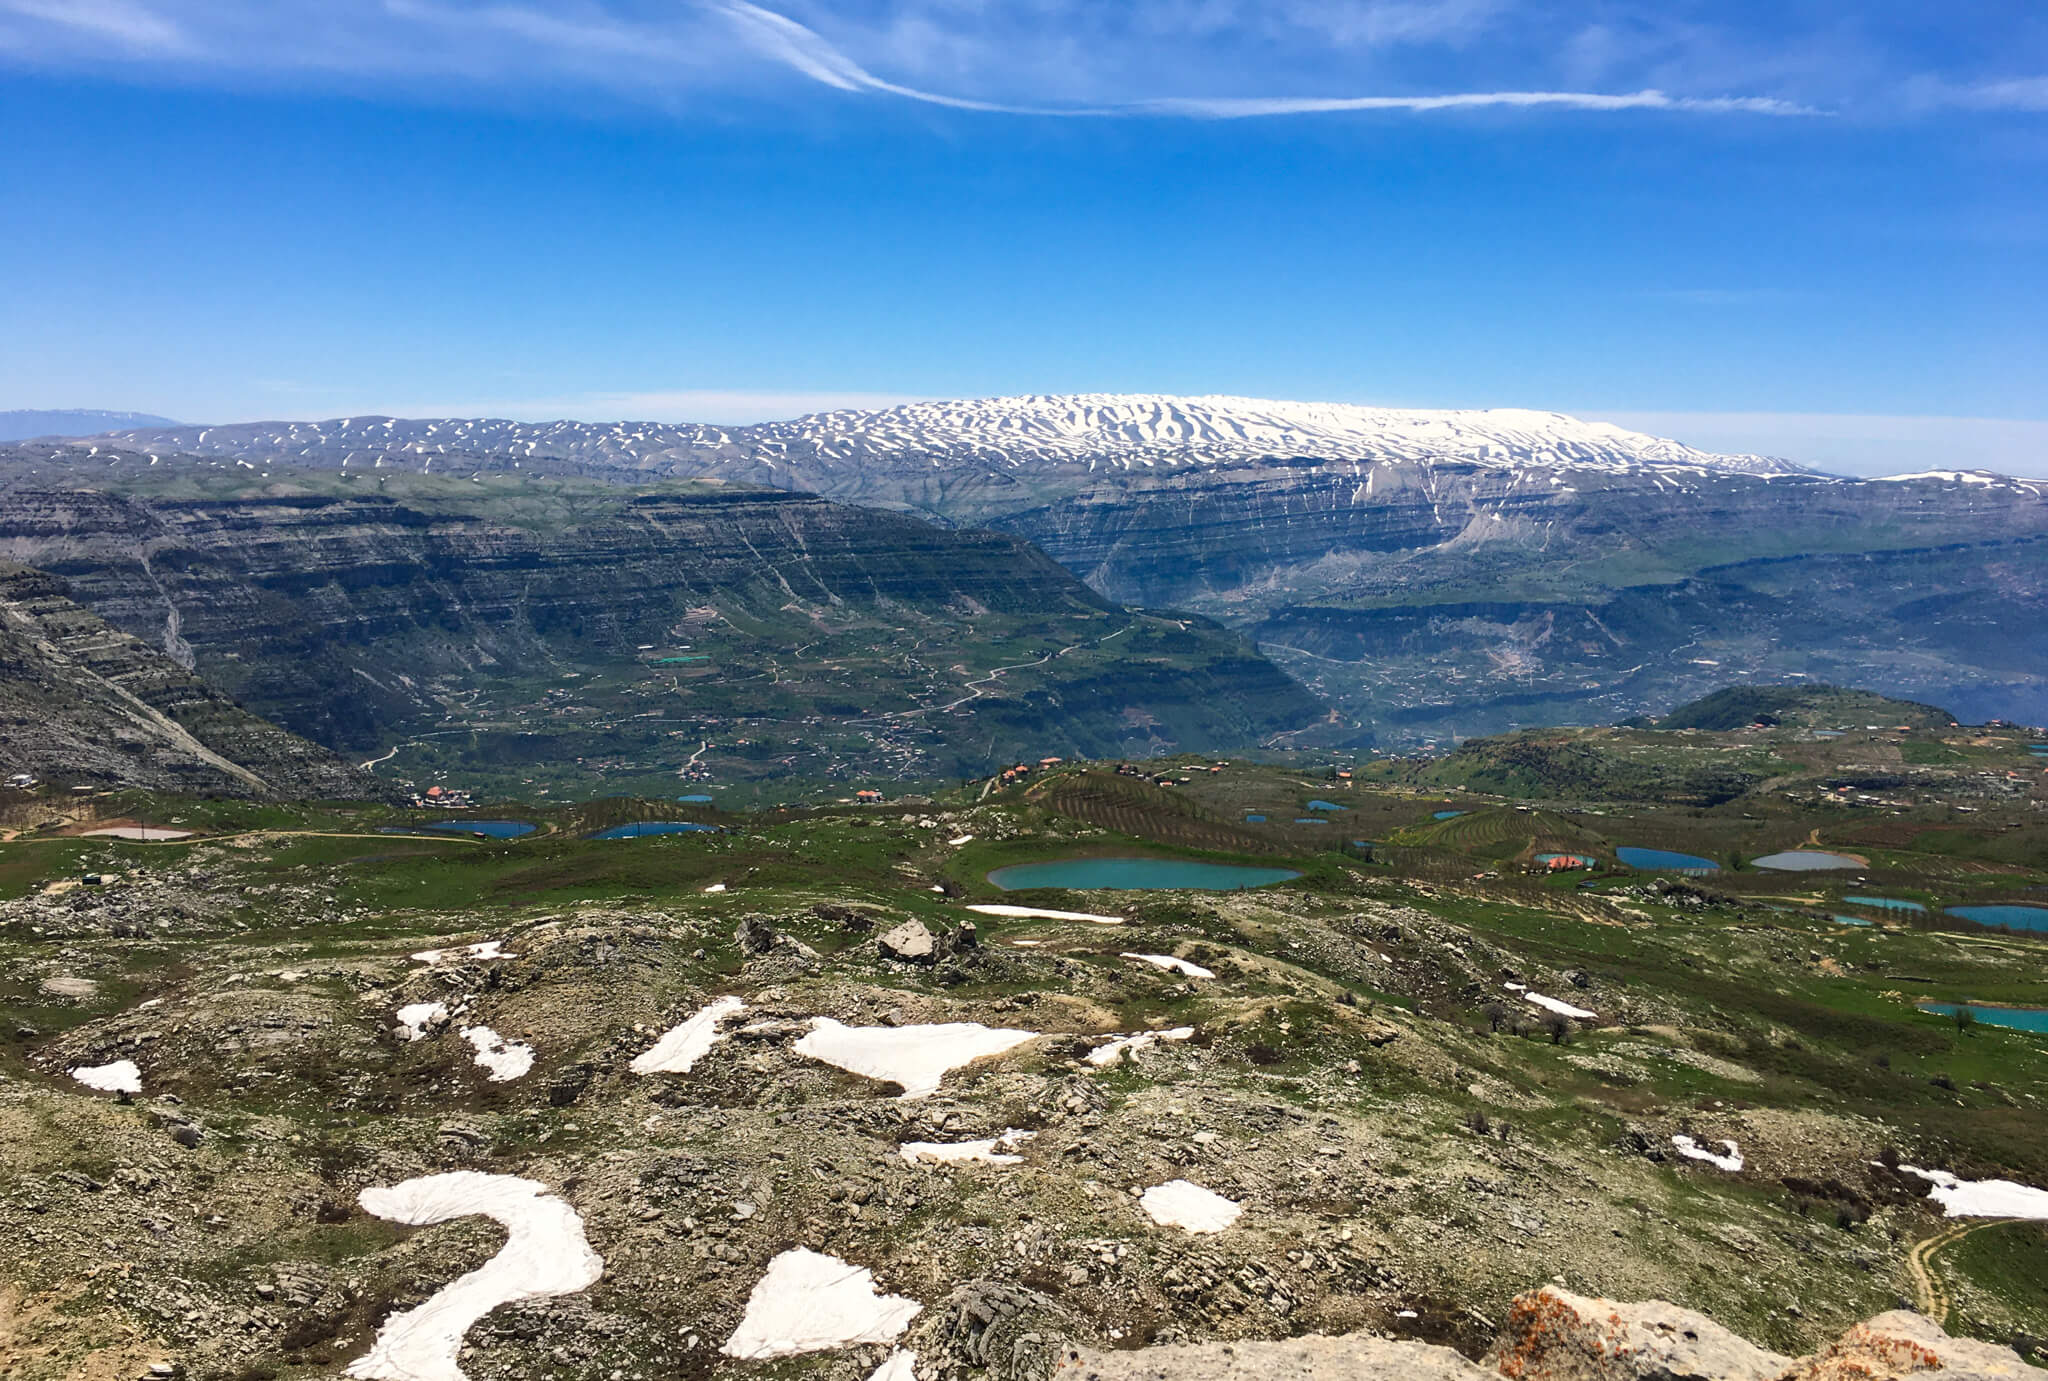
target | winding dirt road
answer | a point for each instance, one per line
(1928, 1288)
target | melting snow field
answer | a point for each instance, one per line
(1983, 1198)
(963, 839)
(1563, 1009)
(416, 1019)
(544, 1254)
(810, 1302)
(1028, 913)
(1692, 1150)
(948, 1151)
(679, 1049)
(916, 1057)
(119, 1077)
(506, 1061)
(137, 832)
(483, 949)
(1182, 1204)
(1167, 961)
(1104, 1056)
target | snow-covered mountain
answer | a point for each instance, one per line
(1154, 429)
(1086, 431)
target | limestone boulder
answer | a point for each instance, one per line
(1555, 1335)
(1905, 1344)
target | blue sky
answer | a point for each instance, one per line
(1794, 227)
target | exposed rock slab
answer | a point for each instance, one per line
(1554, 1335)
(1903, 1343)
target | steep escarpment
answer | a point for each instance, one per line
(1960, 624)
(82, 703)
(1518, 543)
(522, 627)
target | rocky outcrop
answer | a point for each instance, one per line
(911, 943)
(1554, 1335)
(1903, 1343)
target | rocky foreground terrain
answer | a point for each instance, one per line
(766, 1104)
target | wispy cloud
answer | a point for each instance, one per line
(779, 37)
(1099, 59)
(1245, 107)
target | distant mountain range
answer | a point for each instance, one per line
(1431, 575)
(22, 424)
(1079, 432)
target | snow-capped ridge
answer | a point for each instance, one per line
(1088, 431)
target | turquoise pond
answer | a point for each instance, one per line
(1806, 861)
(496, 829)
(643, 827)
(1255, 819)
(2012, 917)
(2018, 1018)
(1136, 874)
(1885, 903)
(695, 800)
(1665, 861)
(1324, 805)
(1447, 814)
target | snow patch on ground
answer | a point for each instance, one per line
(714, 889)
(505, 1060)
(416, 1019)
(137, 832)
(917, 1057)
(679, 1049)
(545, 1254)
(1563, 1009)
(900, 1365)
(1167, 961)
(810, 1302)
(1104, 1056)
(1028, 913)
(483, 949)
(119, 1077)
(1983, 1198)
(948, 1151)
(1692, 1150)
(963, 839)
(1183, 1204)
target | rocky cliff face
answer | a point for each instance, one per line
(1513, 544)
(636, 626)
(82, 703)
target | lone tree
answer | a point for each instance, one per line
(1496, 1015)
(1558, 1026)
(1965, 1019)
